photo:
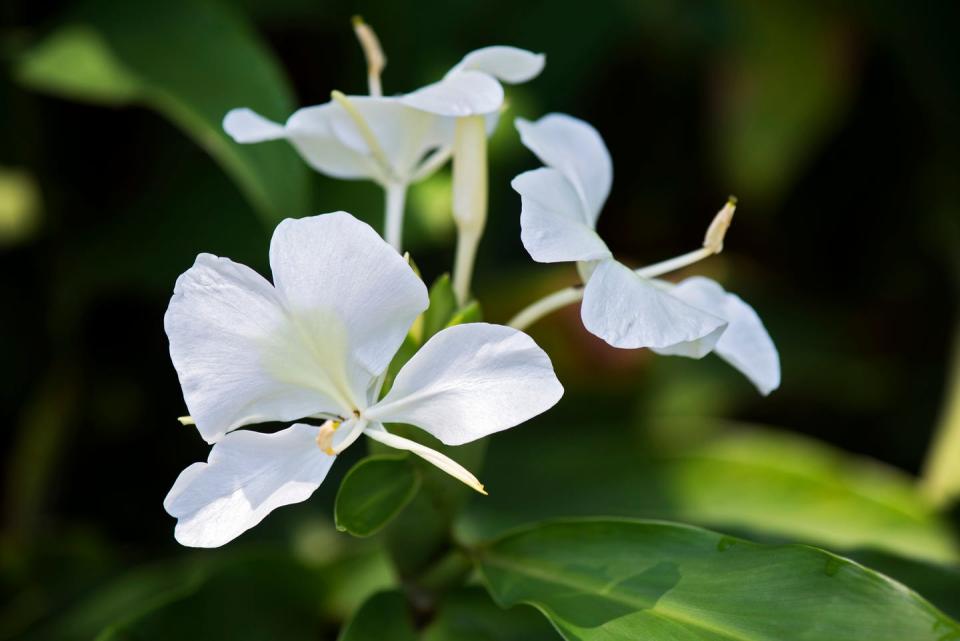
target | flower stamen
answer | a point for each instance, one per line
(373, 52)
(365, 132)
(325, 437)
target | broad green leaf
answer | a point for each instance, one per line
(608, 580)
(189, 61)
(757, 480)
(468, 614)
(383, 617)
(373, 492)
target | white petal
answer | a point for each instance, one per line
(630, 312)
(246, 126)
(445, 463)
(235, 351)
(508, 64)
(247, 476)
(554, 226)
(336, 274)
(746, 344)
(469, 381)
(573, 147)
(468, 93)
(309, 130)
(404, 134)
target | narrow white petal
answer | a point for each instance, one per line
(247, 126)
(507, 64)
(445, 463)
(310, 131)
(630, 312)
(576, 149)
(746, 344)
(554, 227)
(404, 134)
(247, 476)
(468, 93)
(335, 274)
(469, 381)
(236, 351)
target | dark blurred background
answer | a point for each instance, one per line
(834, 123)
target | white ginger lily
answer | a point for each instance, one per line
(316, 344)
(394, 140)
(627, 308)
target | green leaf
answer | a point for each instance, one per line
(752, 479)
(383, 617)
(469, 313)
(620, 579)
(468, 614)
(189, 61)
(373, 492)
(443, 305)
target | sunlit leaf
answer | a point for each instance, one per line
(383, 617)
(758, 480)
(941, 478)
(373, 492)
(611, 580)
(189, 61)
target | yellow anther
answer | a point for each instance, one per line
(186, 420)
(373, 52)
(325, 437)
(713, 241)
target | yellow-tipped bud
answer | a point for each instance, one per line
(713, 240)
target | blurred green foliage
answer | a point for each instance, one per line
(835, 123)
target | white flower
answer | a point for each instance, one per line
(629, 309)
(395, 140)
(315, 344)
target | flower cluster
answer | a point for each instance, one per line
(312, 348)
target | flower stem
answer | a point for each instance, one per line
(469, 198)
(546, 305)
(396, 195)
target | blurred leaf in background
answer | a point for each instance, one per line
(191, 62)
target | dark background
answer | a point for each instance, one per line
(834, 123)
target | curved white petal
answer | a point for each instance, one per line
(445, 463)
(746, 344)
(508, 64)
(311, 133)
(338, 278)
(247, 126)
(247, 476)
(235, 351)
(576, 149)
(467, 93)
(554, 227)
(405, 134)
(469, 381)
(630, 312)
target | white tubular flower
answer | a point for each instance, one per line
(628, 308)
(314, 344)
(471, 92)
